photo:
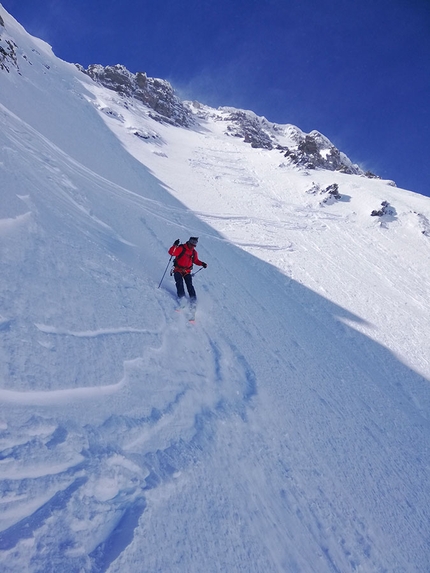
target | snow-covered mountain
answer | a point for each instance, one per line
(288, 429)
(311, 150)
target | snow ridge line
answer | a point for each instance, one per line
(92, 333)
(59, 397)
(78, 167)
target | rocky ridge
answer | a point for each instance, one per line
(155, 93)
(307, 150)
(8, 49)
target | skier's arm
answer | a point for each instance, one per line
(197, 261)
(175, 249)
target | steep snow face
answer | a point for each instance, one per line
(287, 430)
(316, 226)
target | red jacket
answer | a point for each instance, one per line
(186, 255)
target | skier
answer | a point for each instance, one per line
(186, 255)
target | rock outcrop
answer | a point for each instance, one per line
(155, 93)
(7, 50)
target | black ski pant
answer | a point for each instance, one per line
(179, 280)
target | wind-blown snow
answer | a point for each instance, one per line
(287, 430)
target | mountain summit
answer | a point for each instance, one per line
(288, 428)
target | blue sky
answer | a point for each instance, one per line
(357, 71)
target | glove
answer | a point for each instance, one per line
(204, 265)
(176, 243)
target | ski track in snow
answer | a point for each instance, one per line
(115, 492)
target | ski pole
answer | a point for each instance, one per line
(165, 271)
(194, 274)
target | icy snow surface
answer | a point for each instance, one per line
(286, 431)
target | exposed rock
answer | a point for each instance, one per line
(157, 94)
(8, 56)
(249, 126)
(387, 209)
(371, 175)
(331, 192)
(315, 189)
(308, 145)
(424, 224)
(314, 151)
(8, 51)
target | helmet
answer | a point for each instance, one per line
(193, 240)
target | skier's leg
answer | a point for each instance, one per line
(189, 282)
(179, 284)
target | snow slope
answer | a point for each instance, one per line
(287, 430)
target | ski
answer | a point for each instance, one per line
(192, 315)
(190, 311)
(182, 304)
